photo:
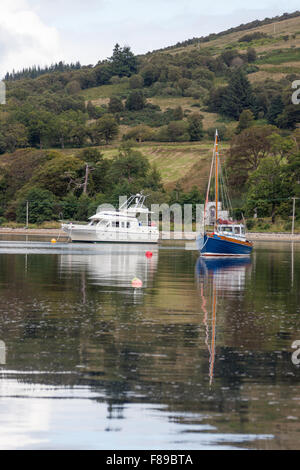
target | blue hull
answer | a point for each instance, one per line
(217, 246)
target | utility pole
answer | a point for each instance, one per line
(293, 221)
(27, 213)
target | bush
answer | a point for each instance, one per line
(135, 101)
(250, 223)
(222, 131)
(253, 36)
(251, 68)
(41, 206)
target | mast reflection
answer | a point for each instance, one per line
(215, 278)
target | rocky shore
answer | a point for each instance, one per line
(57, 233)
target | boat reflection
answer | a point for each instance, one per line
(113, 264)
(215, 278)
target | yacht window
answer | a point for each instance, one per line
(103, 222)
(237, 230)
(128, 224)
(243, 230)
(123, 224)
(228, 229)
(116, 224)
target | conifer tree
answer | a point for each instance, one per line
(238, 96)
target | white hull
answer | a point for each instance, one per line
(86, 234)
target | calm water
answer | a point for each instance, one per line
(200, 357)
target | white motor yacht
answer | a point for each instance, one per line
(129, 224)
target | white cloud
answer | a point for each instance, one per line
(43, 31)
(25, 39)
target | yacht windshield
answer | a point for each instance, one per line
(103, 223)
(94, 222)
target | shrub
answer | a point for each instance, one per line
(253, 36)
(250, 223)
(41, 206)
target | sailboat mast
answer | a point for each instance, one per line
(216, 183)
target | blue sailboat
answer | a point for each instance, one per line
(228, 237)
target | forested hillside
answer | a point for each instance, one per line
(74, 135)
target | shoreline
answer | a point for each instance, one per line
(189, 236)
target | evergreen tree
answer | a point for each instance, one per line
(276, 108)
(238, 96)
(123, 61)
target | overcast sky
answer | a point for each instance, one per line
(39, 32)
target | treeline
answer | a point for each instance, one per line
(236, 29)
(71, 187)
(269, 100)
(50, 111)
(36, 71)
(263, 166)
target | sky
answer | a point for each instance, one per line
(40, 32)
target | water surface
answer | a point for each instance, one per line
(200, 357)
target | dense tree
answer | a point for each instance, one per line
(136, 81)
(123, 61)
(268, 188)
(238, 96)
(93, 111)
(292, 171)
(275, 109)
(247, 149)
(83, 204)
(92, 158)
(178, 114)
(251, 55)
(195, 126)
(178, 131)
(139, 133)
(290, 116)
(228, 56)
(115, 105)
(104, 130)
(59, 174)
(246, 120)
(150, 74)
(13, 136)
(41, 205)
(135, 101)
(129, 165)
(69, 206)
(282, 146)
(184, 84)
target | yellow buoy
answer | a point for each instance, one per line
(53, 240)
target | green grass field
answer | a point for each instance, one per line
(187, 163)
(104, 92)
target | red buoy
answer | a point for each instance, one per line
(149, 254)
(136, 282)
